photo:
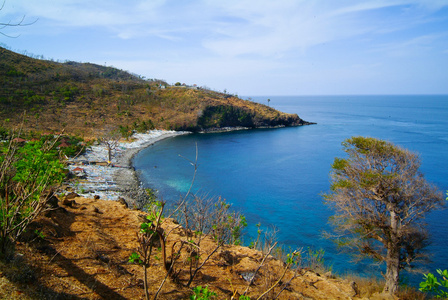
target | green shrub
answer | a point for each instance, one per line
(201, 293)
(432, 284)
(25, 173)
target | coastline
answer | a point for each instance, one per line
(238, 128)
(94, 177)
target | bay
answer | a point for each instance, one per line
(275, 177)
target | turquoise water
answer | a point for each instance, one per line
(275, 176)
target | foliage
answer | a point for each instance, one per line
(210, 216)
(25, 173)
(4, 132)
(380, 199)
(89, 97)
(143, 126)
(434, 285)
(202, 293)
(135, 258)
(37, 162)
(75, 146)
(225, 116)
(204, 217)
(314, 259)
(126, 131)
(149, 231)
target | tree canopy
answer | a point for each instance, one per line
(380, 199)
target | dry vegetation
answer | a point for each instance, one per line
(83, 98)
(80, 249)
(84, 250)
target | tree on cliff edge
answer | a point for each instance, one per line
(380, 199)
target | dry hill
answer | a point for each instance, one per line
(82, 248)
(83, 98)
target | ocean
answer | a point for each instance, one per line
(275, 177)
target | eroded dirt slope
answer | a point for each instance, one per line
(85, 252)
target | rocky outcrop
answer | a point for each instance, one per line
(220, 117)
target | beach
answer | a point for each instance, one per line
(94, 176)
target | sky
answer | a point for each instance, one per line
(247, 47)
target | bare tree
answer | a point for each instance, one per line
(380, 199)
(10, 23)
(110, 137)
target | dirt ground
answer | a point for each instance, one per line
(81, 251)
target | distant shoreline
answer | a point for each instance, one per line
(238, 128)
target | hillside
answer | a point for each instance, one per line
(84, 247)
(83, 98)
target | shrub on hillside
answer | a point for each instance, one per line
(26, 171)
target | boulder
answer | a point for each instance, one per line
(71, 196)
(121, 200)
(69, 203)
(53, 201)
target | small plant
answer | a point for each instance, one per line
(149, 231)
(25, 173)
(211, 217)
(315, 260)
(434, 285)
(236, 224)
(201, 293)
(202, 218)
(135, 258)
(39, 234)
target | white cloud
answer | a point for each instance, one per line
(410, 46)
(271, 28)
(230, 28)
(243, 43)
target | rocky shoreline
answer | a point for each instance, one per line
(95, 177)
(237, 128)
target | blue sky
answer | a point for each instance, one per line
(248, 47)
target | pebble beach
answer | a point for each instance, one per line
(96, 177)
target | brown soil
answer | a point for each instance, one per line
(85, 252)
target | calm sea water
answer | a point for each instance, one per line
(275, 176)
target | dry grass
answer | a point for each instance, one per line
(366, 286)
(85, 252)
(371, 287)
(85, 98)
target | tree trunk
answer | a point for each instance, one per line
(145, 281)
(109, 154)
(392, 271)
(392, 258)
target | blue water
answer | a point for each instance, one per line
(275, 176)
